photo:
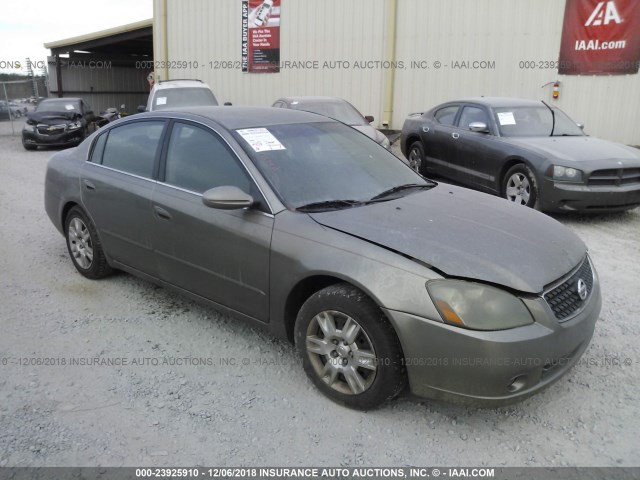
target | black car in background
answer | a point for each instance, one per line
(9, 111)
(525, 151)
(58, 122)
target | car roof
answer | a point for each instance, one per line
(499, 102)
(62, 99)
(180, 84)
(233, 118)
(314, 99)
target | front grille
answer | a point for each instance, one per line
(615, 177)
(51, 129)
(564, 299)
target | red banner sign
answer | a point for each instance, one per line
(600, 37)
(261, 36)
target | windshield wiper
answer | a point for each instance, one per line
(399, 188)
(553, 117)
(329, 205)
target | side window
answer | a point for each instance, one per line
(472, 114)
(98, 149)
(447, 115)
(198, 160)
(133, 148)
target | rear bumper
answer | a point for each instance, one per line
(567, 197)
(493, 368)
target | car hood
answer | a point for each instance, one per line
(467, 234)
(587, 150)
(52, 118)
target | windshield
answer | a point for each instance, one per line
(341, 111)
(534, 122)
(183, 97)
(308, 163)
(58, 105)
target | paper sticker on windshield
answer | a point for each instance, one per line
(68, 106)
(261, 139)
(161, 101)
(506, 118)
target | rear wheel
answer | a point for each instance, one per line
(348, 348)
(417, 157)
(84, 245)
(520, 186)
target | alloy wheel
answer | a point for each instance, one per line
(415, 159)
(518, 189)
(80, 243)
(341, 352)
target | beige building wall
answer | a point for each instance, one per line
(488, 40)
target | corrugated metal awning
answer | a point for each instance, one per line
(133, 38)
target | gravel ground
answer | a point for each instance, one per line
(246, 400)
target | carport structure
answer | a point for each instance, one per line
(107, 68)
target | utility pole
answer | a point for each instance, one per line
(34, 82)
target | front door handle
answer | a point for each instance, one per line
(88, 185)
(455, 135)
(161, 213)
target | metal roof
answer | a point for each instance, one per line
(134, 38)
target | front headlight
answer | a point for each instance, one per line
(565, 174)
(476, 306)
(74, 126)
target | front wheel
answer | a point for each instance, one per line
(84, 245)
(520, 186)
(28, 146)
(348, 348)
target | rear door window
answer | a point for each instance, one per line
(133, 148)
(447, 115)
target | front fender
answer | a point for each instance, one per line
(302, 248)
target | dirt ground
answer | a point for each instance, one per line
(243, 398)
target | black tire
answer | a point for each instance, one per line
(519, 186)
(376, 339)
(417, 157)
(28, 146)
(82, 240)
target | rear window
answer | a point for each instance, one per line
(58, 105)
(169, 98)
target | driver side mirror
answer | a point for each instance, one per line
(580, 126)
(227, 198)
(369, 118)
(479, 127)
(142, 108)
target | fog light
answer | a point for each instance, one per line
(517, 383)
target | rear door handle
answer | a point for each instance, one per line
(455, 135)
(88, 185)
(161, 213)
